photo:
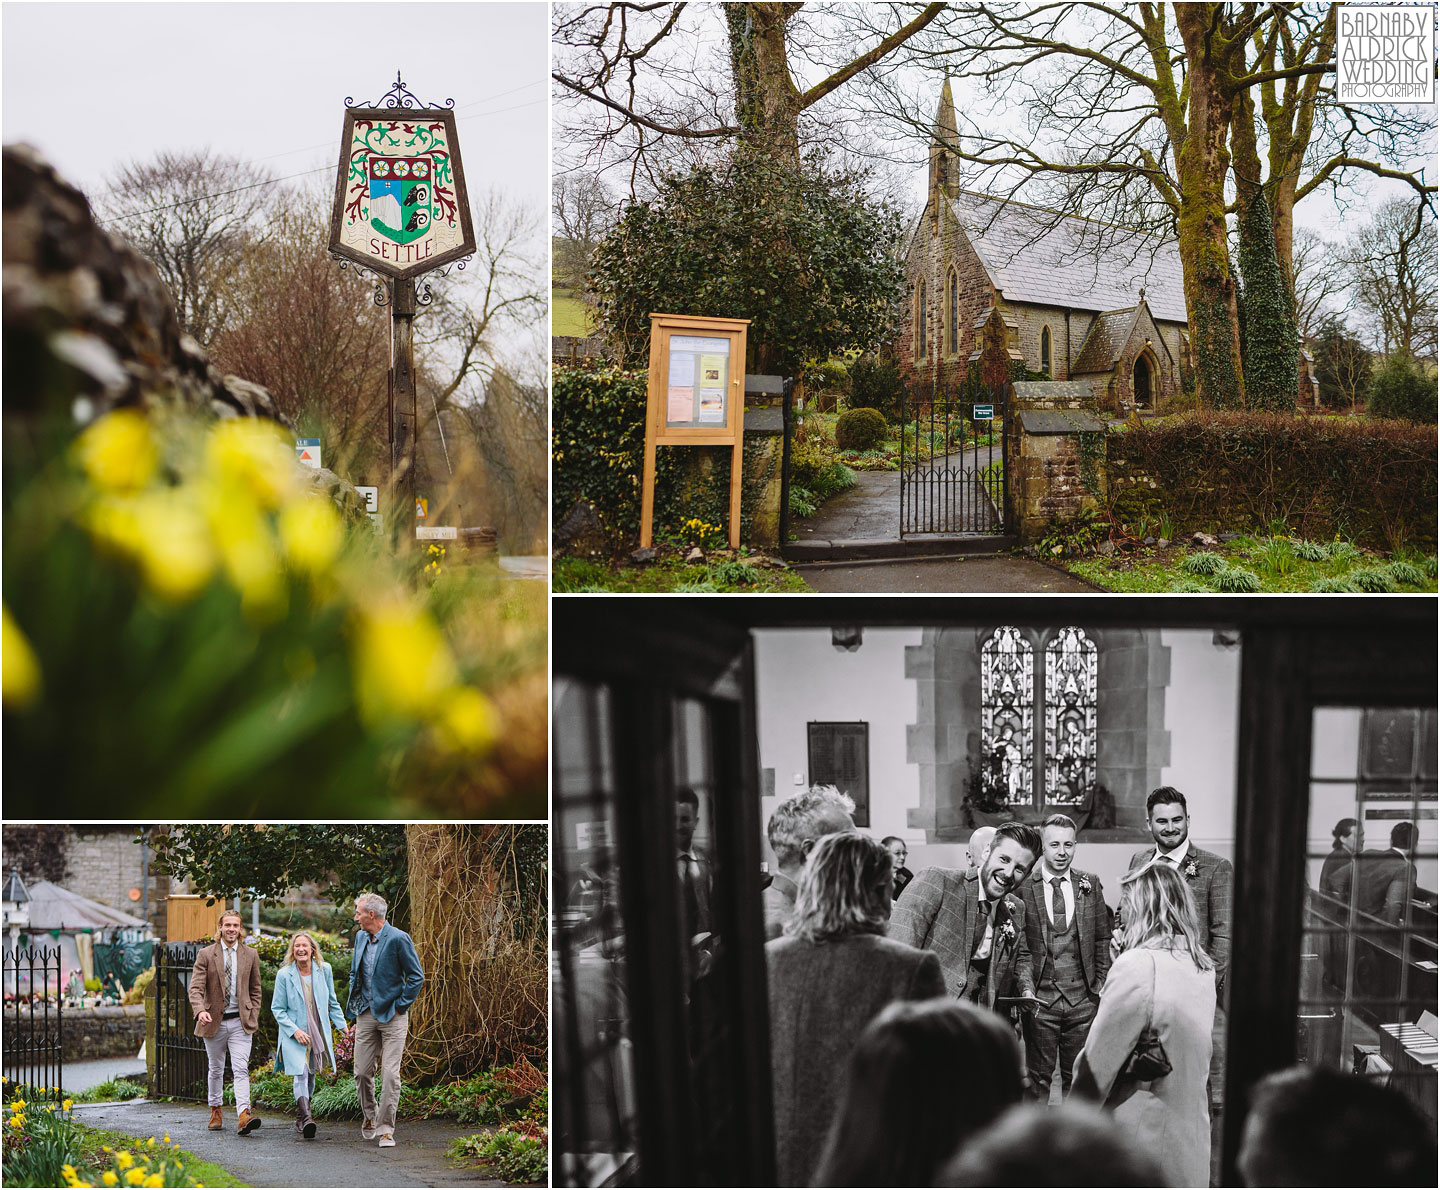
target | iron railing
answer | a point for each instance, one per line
(952, 462)
(33, 1049)
(181, 1064)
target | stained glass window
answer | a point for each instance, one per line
(1007, 700)
(1070, 670)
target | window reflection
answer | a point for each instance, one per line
(1368, 996)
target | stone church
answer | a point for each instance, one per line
(1077, 299)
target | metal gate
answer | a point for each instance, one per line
(33, 1051)
(952, 461)
(181, 1064)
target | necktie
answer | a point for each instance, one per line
(1057, 904)
(692, 896)
(229, 974)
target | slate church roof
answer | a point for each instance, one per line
(1039, 256)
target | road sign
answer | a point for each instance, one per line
(307, 450)
(372, 497)
(422, 508)
(436, 533)
(983, 413)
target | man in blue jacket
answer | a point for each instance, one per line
(385, 978)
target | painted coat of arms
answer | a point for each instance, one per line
(400, 204)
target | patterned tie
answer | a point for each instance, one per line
(229, 975)
(1057, 905)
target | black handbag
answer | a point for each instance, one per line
(1148, 1060)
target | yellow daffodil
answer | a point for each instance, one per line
(123, 1159)
(167, 1138)
(403, 667)
(135, 1177)
(118, 452)
(466, 722)
(174, 550)
(253, 456)
(67, 1105)
(67, 1171)
(150, 1144)
(18, 1105)
(109, 1178)
(154, 1179)
(311, 533)
(21, 682)
(248, 550)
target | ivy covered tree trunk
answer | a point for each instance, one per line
(1203, 159)
(1271, 348)
(767, 101)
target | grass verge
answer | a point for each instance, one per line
(581, 576)
(93, 1142)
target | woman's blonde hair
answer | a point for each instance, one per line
(845, 888)
(316, 958)
(1158, 909)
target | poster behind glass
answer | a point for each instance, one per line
(696, 383)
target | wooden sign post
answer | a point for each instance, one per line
(696, 397)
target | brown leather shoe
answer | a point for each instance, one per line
(216, 1123)
(249, 1121)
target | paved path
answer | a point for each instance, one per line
(526, 566)
(81, 1076)
(274, 1155)
(928, 576)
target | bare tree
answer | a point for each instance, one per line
(584, 209)
(191, 214)
(1319, 280)
(510, 428)
(1392, 267)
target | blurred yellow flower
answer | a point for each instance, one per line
(118, 451)
(21, 668)
(135, 1177)
(403, 667)
(18, 1105)
(467, 721)
(67, 1105)
(123, 1159)
(67, 1171)
(247, 547)
(150, 1143)
(167, 1138)
(109, 1178)
(164, 533)
(154, 1179)
(254, 456)
(311, 533)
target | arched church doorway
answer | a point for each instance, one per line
(1144, 383)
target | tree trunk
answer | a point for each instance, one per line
(1202, 163)
(767, 102)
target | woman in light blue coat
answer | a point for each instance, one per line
(306, 1006)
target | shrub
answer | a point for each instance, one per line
(598, 454)
(875, 384)
(1429, 566)
(1310, 551)
(515, 1156)
(1399, 389)
(1375, 580)
(1236, 580)
(860, 429)
(1333, 586)
(1203, 563)
(1188, 586)
(732, 574)
(1406, 574)
(110, 1090)
(1371, 481)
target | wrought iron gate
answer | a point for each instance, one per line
(952, 461)
(181, 1064)
(33, 1051)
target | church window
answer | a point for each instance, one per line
(1045, 350)
(1010, 771)
(1007, 716)
(920, 321)
(954, 313)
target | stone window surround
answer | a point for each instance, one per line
(944, 741)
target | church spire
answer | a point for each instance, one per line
(944, 145)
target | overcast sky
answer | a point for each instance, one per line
(96, 85)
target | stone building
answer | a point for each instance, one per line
(1079, 300)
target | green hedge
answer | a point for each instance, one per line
(1370, 482)
(598, 454)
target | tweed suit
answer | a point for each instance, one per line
(1056, 1031)
(1213, 887)
(939, 911)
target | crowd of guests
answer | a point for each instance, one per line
(896, 1059)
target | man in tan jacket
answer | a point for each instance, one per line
(225, 994)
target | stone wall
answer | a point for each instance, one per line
(108, 1031)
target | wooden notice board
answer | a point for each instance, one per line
(696, 397)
